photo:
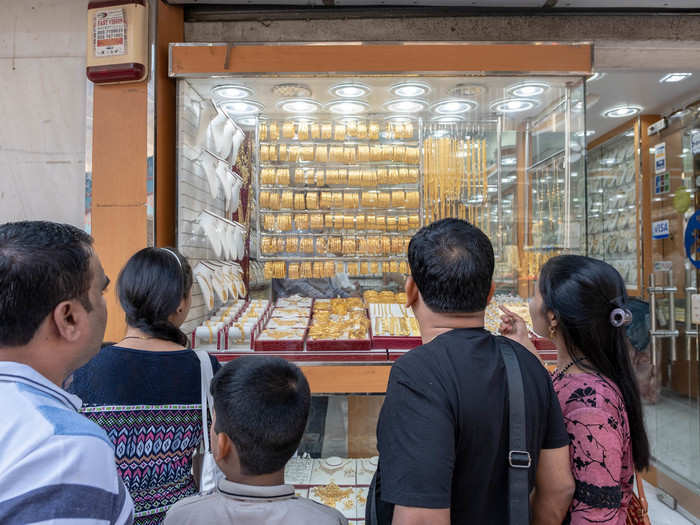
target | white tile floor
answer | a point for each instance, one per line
(660, 514)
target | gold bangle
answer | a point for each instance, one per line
(284, 222)
(403, 223)
(320, 177)
(348, 222)
(354, 177)
(305, 270)
(383, 200)
(398, 199)
(339, 132)
(363, 153)
(373, 132)
(381, 223)
(362, 246)
(350, 200)
(301, 221)
(321, 246)
(311, 200)
(274, 203)
(306, 245)
(269, 222)
(299, 201)
(386, 245)
(282, 153)
(414, 221)
(303, 131)
(326, 131)
(316, 221)
(374, 268)
(371, 222)
(391, 223)
(394, 267)
(375, 153)
(287, 202)
(337, 199)
(293, 270)
(268, 270)
(317, 270)
(353, 269)
(264, 199)
(321, 153)
(362, 130)
(288, 130)
(329, 221)
(349, 246)
(263, 131)
(351, 128)
(360, 222)
(364, 268)
(274, 131)
(264, 153)
(403, 268)
(315, 131)
(403, 176)
(292, 244)
(393, 176)
(328, 269)
(294, 153)
(325, 200)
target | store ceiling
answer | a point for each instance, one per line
(640, 88)
(481, 4)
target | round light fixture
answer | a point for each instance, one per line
(350, 90)
(400, 118)
(230, 91)
(410, 89)
(595, 76)
(454, 106)
(447, 119)
(347, 107)
(528, 89)
(513, 105)
(409, 105)
(241, 108)
(626, 110)
(298, 105)
(247, 121)
(467, 90)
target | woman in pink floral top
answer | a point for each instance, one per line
(580, 304)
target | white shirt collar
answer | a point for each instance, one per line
(13, 372)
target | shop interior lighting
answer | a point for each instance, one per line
(508, 161)
(675, 77)
(400, 118)
(595, 76)
(454, 106)
(528, 89)
(292, 90)
(347, 107)
(350, 90)
(467, 90)
(586, 133)
(622, 111)
(299, 105)
(231, 92)
(410, 89)
(448, 119)
(241, 108)
(247, 121)
(408, 105)
(513, 105)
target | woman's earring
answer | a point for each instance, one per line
(552, 332)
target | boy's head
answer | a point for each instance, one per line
(261, 405)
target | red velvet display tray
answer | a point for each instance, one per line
(330, 356)
(319, 345)
(296, 345)
(395, 342)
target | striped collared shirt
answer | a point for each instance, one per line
(56, 466)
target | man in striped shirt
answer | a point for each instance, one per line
(55, 465)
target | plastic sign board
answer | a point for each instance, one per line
(662, 183)
(661, 230)
(660, 158)
(692, 239)
(695, 142)
(695, 308)
(663, 266)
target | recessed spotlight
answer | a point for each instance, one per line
(230, 91)
(409, 105)
(586, 133)
(400, 118)
(410, 89)
(447, 119)
(454, 106)
(528, 89)
(241, 108)
(467, 90)
(350, 90)
(299, 105)
(627, 110)
(675, 77)
(513, 105)
(595, 76)
(347, 107)
(247, 121)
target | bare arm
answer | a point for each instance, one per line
(419, 516)
(554, 487)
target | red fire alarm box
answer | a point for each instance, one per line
(117, 41)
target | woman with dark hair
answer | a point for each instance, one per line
(145, 390)
(580, 304)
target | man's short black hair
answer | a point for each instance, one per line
(41, 264)
(262, 404)
(452, 264)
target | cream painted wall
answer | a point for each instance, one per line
(42, 110)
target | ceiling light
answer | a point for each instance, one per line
(595, 76)
(508, 161)
(231, 92)
(467, 90)
(410, 89)
(347, 107)
(247, 107)
(513, 105)
(247, 121)
(528, 89)
(622, 111)
(409, 105)
(454, 106)
(299, 105)
(400, 118)
(350, 90)
(448, 119)
(675, 77)
(586, 133)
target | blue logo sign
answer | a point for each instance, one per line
(692, 239)
(660, 230)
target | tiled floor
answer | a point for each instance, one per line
(660, 514)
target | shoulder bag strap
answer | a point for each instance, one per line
(206, 374)
(519, 461)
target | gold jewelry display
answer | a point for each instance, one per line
(398, 199)
(331, 494)
(299, 201)
(360, 222)
(292, 244)
(305, 270)
(274, 131)
(317, 270)
(320, 177)
(362, 130)
(353, 269)
(303, 131)
(274, 201)
(337, 199)
(329, 221)
(301, 221)
(351, 200)
(293, 271)
(348, 222)
(288, 130)
(269, 222)
(264, 153)
(384, 200)
(326, 131)
(284, 222)
(321, 246)
(363, 153)
(381, 223)
(339, 132)
(316, 221)
(373, 131)
(263, 131)
(282, 153)
(315, 131)
(391, 223)
(306, 245)
(349, 246)
(321, 153)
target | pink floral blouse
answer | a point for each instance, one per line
(600, 448)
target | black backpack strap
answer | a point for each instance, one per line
(519, 460)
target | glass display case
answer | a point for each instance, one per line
(613, 223)
(343, 170)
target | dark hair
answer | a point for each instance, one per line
(582, 292)
(150, 288)
(262, 404)
(41, 264)
(452, 264)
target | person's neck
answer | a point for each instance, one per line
(263, 480)
(137, 339)
(433, 324)
(38, 361)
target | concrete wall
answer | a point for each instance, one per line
(621, 42)
(42, 110)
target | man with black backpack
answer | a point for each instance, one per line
(471, 431)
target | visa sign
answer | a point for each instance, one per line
(660, 230)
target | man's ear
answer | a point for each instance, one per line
(492, 291)
(412, 292)
(223, 447)
(69, 319)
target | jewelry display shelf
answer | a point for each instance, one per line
(316, 356)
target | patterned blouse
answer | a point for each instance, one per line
(149, 405)
(600, 449)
